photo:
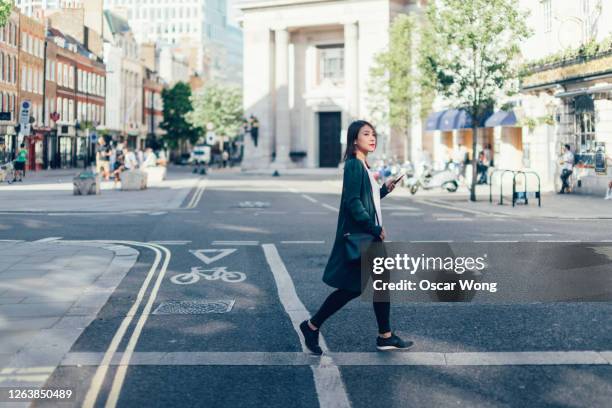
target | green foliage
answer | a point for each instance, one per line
(177, 105)
(6, 7)
(220, 105)
(467, 54)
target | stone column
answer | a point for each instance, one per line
(351, 70)
(283, 128)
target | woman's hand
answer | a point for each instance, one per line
(390, 185)
(382, 234)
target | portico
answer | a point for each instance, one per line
(305, 75)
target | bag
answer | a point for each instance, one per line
(356, 242)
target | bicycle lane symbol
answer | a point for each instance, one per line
(212, 274)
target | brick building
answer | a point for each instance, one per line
(65, 101)
(9, 52)
(31, 63)
(90, 95)
(50, 145)
(153, 113)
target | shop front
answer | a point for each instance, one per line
(582, 90)
(7, 143)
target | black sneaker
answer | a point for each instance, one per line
(392, 343)
(311, 338)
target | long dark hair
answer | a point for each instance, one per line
(351, 137)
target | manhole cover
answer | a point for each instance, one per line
(253, 204)
(194, 307)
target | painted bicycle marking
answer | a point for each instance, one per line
(218, 273)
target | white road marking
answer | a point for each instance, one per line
(271, 212)
(293, 190)
(400, 208)
(170, 242)
(328, 382)
(481, 241)
(302, 242)
(49, 239)
(11, 240)
(406, 214)
(329, 207)
(314, 212)
(121, 372)
(309, 198)
(98, 379)
(221, 253)
(560, 241)
(429, 242)
(217, 273)
(529, 234)
(487, 358)
(197, 195)
(159, 213)
(235, 243)
(454, 219)
(450, 207)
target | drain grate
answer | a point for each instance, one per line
(177, 307)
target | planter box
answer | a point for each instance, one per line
(133, 180)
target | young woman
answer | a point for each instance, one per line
(359, 212)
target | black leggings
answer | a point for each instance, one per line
(341, 297)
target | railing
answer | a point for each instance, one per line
(516, 195)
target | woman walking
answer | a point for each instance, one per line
(359, 212)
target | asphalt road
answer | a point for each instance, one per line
(251, 356)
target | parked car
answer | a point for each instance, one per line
(182, 160)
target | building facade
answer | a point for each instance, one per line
(9, 90)
(307, 73)
(569, 98)
(125, 70)
(31, 63)
(198, 28)
(153, 113)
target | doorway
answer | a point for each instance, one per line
(329, 139)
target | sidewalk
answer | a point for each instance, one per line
(558, 206)
(51, 191)
(49, 293)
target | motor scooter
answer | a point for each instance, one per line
(428, 179)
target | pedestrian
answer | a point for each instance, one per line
(103, 153)
(482, 168)
(609, 193)
(567, 167)
(224, 157)
(130, 162)
(20, 163)
(359, 213)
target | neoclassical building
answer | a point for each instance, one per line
(306, 70)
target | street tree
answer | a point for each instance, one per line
(177, 106)
(468, 54)
(6, 6)
(391, 86)
(220, 105)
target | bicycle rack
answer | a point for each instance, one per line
(515, 195)
(501, 184)
(514, 192)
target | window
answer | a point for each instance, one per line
(547, 13)
(331, 63)
(584, 122)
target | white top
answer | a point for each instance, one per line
(375, 193)
(568, 161)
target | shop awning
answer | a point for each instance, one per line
(433, 121)
(454, 119)
(501, 118)
(450, 119)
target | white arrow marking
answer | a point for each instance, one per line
(199, 253)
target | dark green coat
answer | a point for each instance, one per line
(357, 214)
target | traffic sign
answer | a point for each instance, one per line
(24, 112)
